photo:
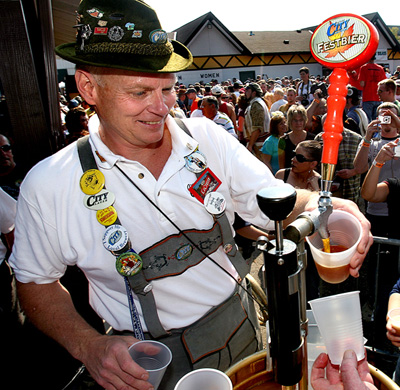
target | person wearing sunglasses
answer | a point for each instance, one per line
(10, 175)
(303, 173)
(6, 157)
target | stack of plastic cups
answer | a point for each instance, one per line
(339, 320)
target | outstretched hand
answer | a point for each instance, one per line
(387, 152)
(352, 375)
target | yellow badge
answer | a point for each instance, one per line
(107, 216)
(92, 181)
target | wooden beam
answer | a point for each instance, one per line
(30, 128)
(45, 19)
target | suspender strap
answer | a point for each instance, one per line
(85, 154)
(143, 291)
(241, 265)
(140, 285)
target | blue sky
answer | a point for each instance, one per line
(262, 15)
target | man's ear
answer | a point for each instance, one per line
(86, 85)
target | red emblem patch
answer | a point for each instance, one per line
(207, 182)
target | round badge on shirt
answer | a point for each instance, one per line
(92, 181)
(99, 201)
(128, 263)
(215, 203)
(115, 238)
(196, 162)
(107, 216)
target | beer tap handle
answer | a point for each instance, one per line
(342, 42)
(277, 203)
(281, 275)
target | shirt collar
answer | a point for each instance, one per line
(105, 158)
(182, 143)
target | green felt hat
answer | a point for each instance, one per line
(123, 34)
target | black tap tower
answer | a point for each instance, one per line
(281, 275)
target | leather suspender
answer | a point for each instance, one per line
(140, 285)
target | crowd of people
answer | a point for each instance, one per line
(281, 122)
(138, 192)
(271, 117)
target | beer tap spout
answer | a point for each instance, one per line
(325, 209)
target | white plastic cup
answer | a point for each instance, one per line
(339, 320)
(204, 379)
(154, 357)
(315, 344)
(345, 230)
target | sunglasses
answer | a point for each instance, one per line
(5, 148)
(300, 158)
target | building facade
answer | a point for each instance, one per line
(221, 54)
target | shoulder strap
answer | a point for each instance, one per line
(363, 121)
(182, 125)
(137, 282)
(85, 154)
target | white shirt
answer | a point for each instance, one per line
(197, 113)
(390, 169)
(223, 120)
(275, 106)
(62, 231)
(8, 209)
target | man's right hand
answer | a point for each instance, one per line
(108, 361)
(50, 308)
(372, 128)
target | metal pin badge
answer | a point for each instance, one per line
(115, 238)
(196, 162)
(129, 263)
(99, 201)
(215, 203)
(92, 181)
(107, 216)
